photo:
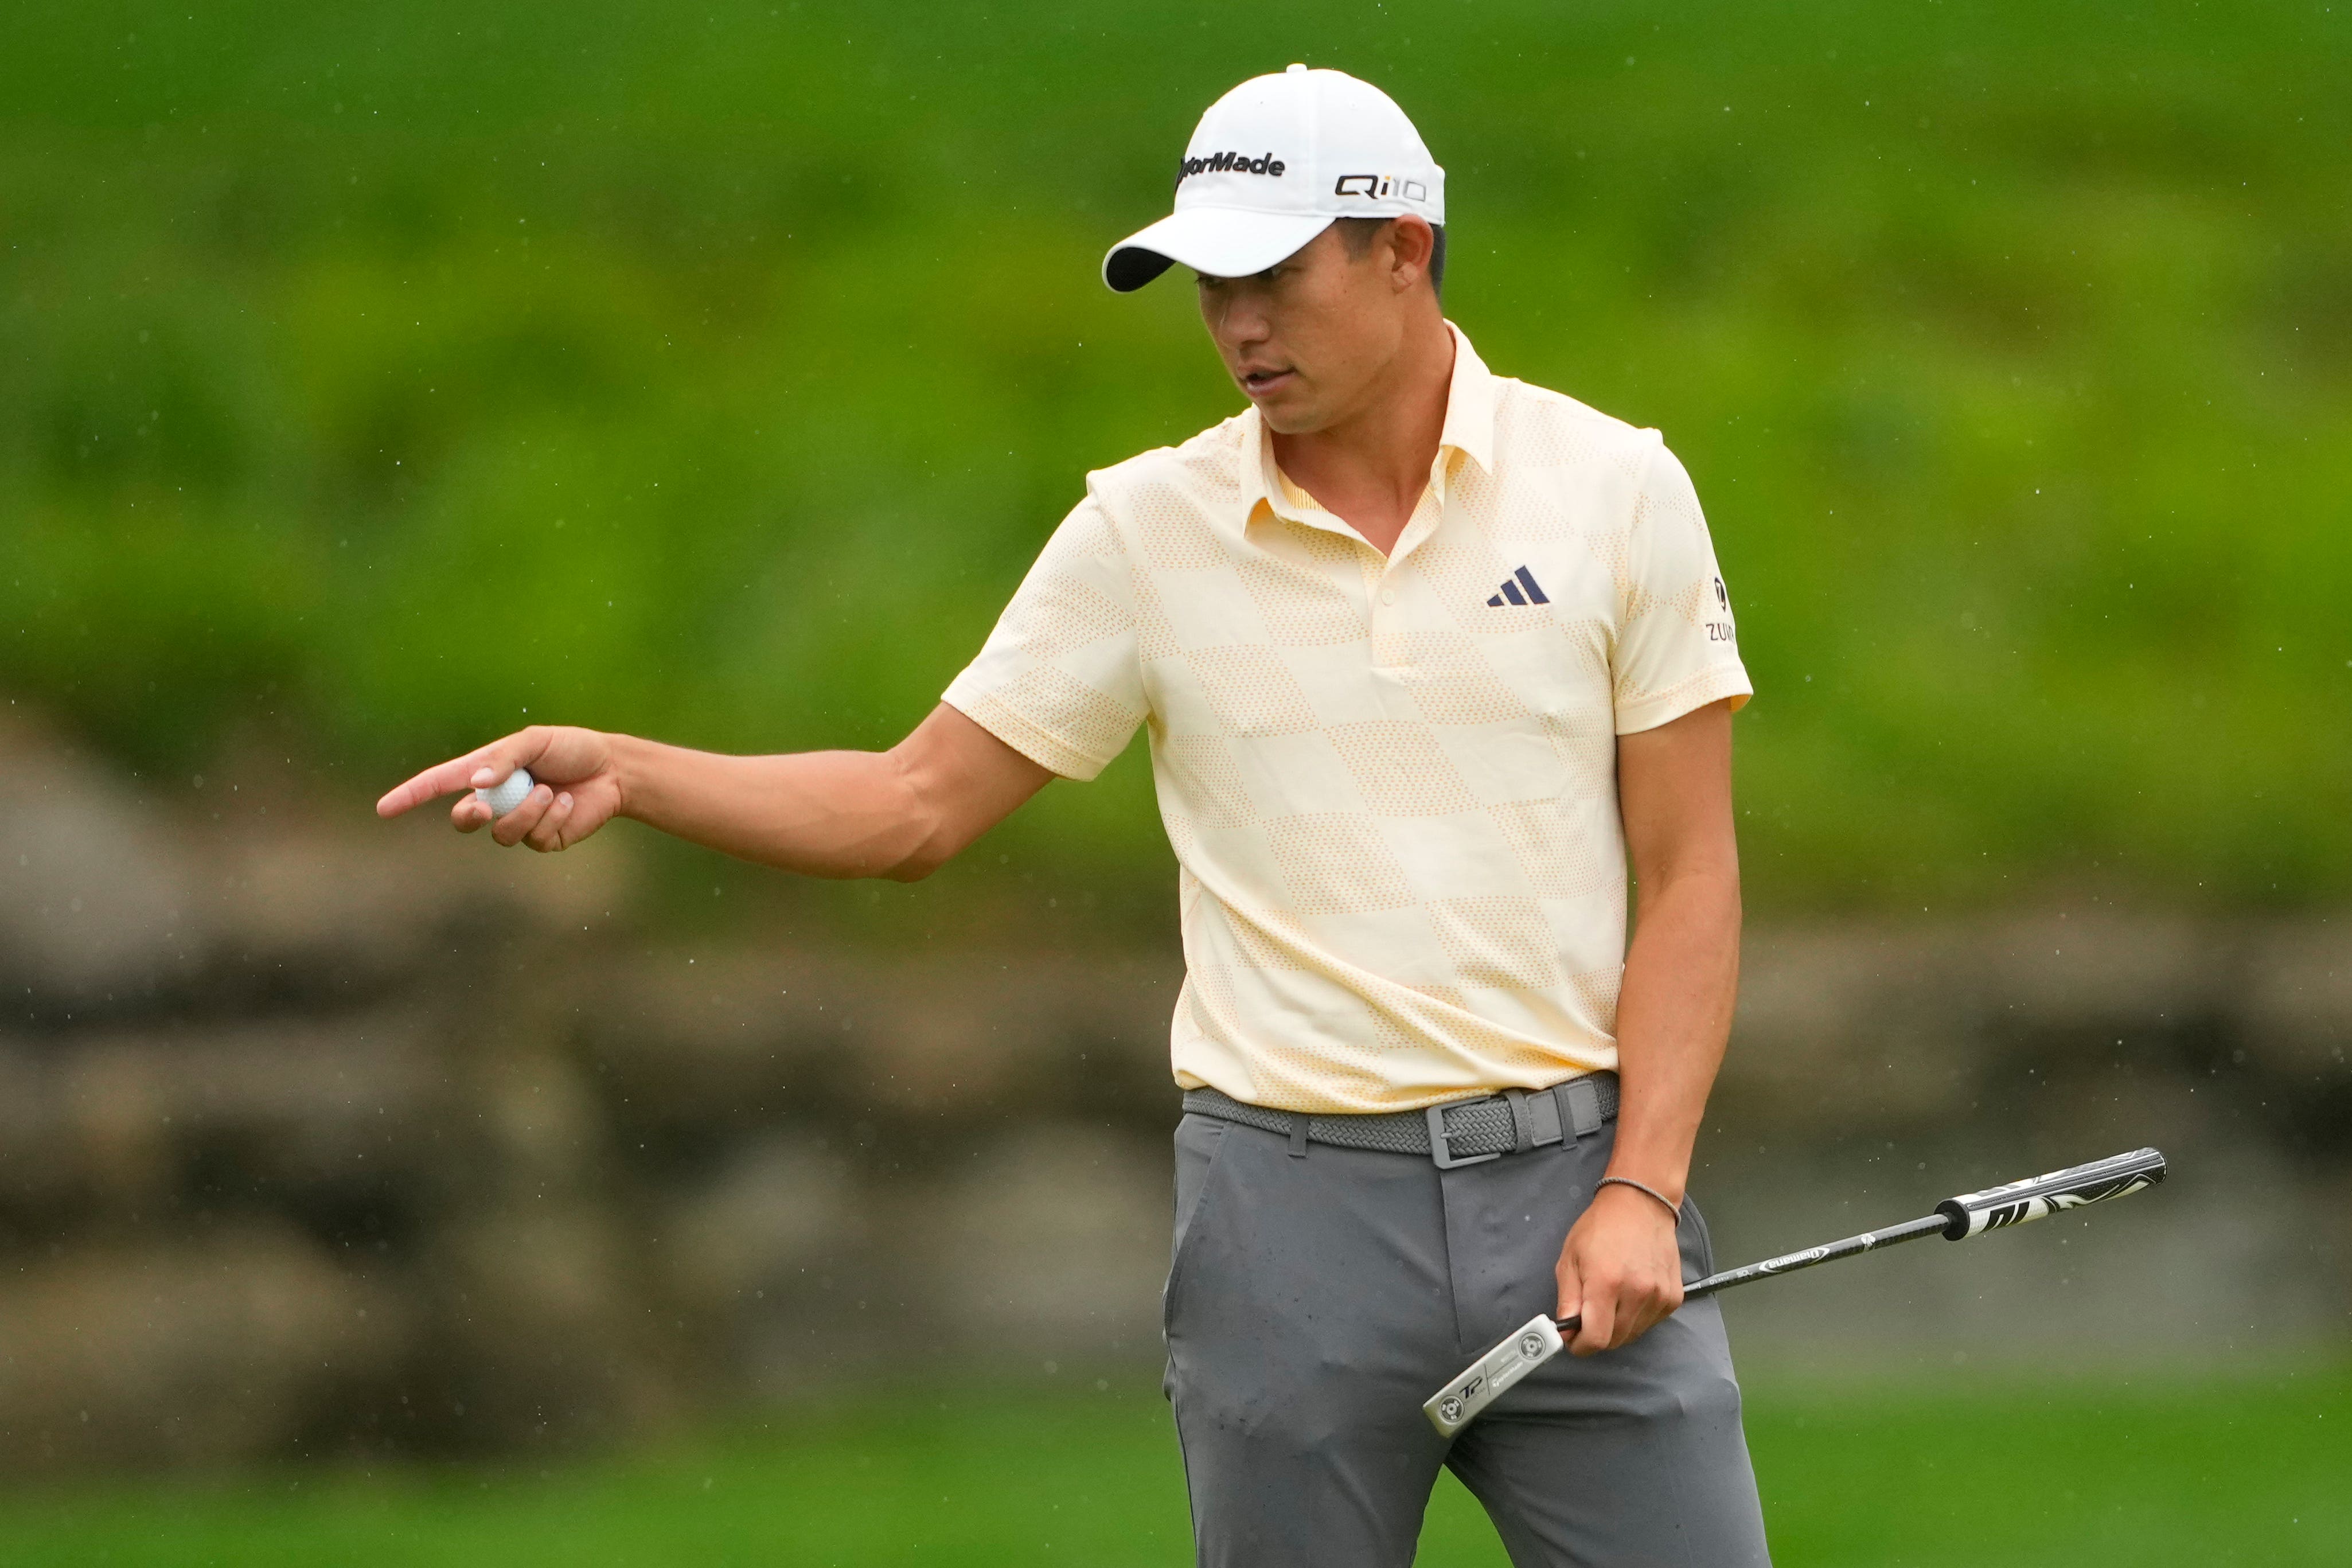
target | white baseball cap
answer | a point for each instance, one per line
(1270, 167)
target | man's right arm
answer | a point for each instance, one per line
(900, 814)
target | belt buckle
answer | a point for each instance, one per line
(1441, 1152)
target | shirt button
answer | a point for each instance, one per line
(1388, 596)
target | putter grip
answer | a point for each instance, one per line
(2038, 1197)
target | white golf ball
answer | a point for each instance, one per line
(505, 796)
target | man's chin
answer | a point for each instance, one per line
(1291, 416)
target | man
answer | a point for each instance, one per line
(1424, 655)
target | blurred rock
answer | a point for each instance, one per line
(101, 891)
(544, 1124)
(776, 1204)
(1838, 1025)
(126, 1119)
(742, 1038)
(2298, 1002)
(1053, 1245)
(1913, 1024)
(356, 902)
(183, 1352)
(539, 1331)
(2091, 970)
(122, 904)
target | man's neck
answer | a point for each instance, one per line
(1370, 469)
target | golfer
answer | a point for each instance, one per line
(1426, 656)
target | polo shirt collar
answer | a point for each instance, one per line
(1469, 406)
(1469, 429)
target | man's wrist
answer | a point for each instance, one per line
(1647, 1193)
(1651, 1156)
(1662, 1175)
(628, 777)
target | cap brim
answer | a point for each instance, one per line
(1223, 242)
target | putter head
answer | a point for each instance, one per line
(1457, 1404)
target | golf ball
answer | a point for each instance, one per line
(505, 796)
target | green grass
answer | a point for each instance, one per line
(2149, 1472)
(368, 377)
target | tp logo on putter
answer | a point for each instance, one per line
(1450, 1409)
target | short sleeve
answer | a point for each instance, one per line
(1677, 647)
(1060, 679)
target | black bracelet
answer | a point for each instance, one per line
(1672, 1207)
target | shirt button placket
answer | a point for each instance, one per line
(1391, 655)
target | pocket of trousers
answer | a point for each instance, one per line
(1695, 1224)
(1200, 1144)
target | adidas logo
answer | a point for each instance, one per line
(1511, 593)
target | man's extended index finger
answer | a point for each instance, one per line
(444, 778)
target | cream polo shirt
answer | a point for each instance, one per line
(1390, 783)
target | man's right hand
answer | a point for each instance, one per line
(576, 786)
(900, 813)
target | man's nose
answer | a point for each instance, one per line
(1241, 321)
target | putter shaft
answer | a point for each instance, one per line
(1790, 1262)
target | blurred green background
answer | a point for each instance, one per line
(385, 380)
(374, 381)
(2052, 1475)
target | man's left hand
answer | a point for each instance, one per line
(1620, 1269)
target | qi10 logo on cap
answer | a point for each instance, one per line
(1372, 188)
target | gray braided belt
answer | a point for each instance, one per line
(1462, 1132)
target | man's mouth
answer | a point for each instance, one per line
(1259, 382)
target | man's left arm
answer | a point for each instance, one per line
(1621, 1268)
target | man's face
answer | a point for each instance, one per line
(1307, 340)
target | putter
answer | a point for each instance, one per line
(1457, 1404)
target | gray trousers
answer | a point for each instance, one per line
(1313, 1301)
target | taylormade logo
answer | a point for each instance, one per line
(1230, 164)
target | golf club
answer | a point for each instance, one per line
(1457, 1404)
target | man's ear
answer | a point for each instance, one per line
(1410, 242)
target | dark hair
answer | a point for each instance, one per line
(1356, 234)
